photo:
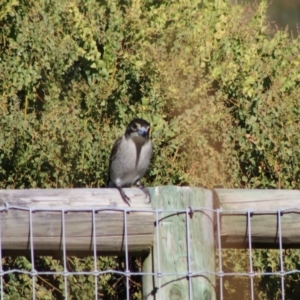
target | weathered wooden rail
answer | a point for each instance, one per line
(273, 214)
(59, 216)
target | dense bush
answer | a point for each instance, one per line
(221, 93)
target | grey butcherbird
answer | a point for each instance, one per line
(130, 157)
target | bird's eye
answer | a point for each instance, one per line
(134, 126)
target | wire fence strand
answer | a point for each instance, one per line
(158, 272)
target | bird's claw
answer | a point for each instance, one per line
(145, 190)
(125, 198)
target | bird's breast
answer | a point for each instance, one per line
(131, 162)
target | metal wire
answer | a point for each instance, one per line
(220, 273)
(1, 267)
(95, 254)
(188, 248)
(281, 254)
(249, 215)
(158, 273)
(33, 272)
(127, 270)
(64, 250)
(158, 249)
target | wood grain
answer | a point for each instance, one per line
(264, 206)
(48, 206)
(183, 243)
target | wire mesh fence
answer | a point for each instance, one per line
(262, 275)
(233, 271)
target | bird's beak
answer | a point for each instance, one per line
(143, 132)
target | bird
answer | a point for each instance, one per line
(130, 157)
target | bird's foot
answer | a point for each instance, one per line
(145, 190)
(125, 198)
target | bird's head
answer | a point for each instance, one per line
(139, 130)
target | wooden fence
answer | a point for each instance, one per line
(177, 233)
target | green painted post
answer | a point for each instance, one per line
(169, 254)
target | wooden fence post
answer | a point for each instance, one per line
(183, 253)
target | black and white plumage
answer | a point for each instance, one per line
(130, 157)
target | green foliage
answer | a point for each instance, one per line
(264, 261)
(260, 87)
(221, 93)
(73, 76)
(48, 287)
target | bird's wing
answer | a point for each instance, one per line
(113, 153)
